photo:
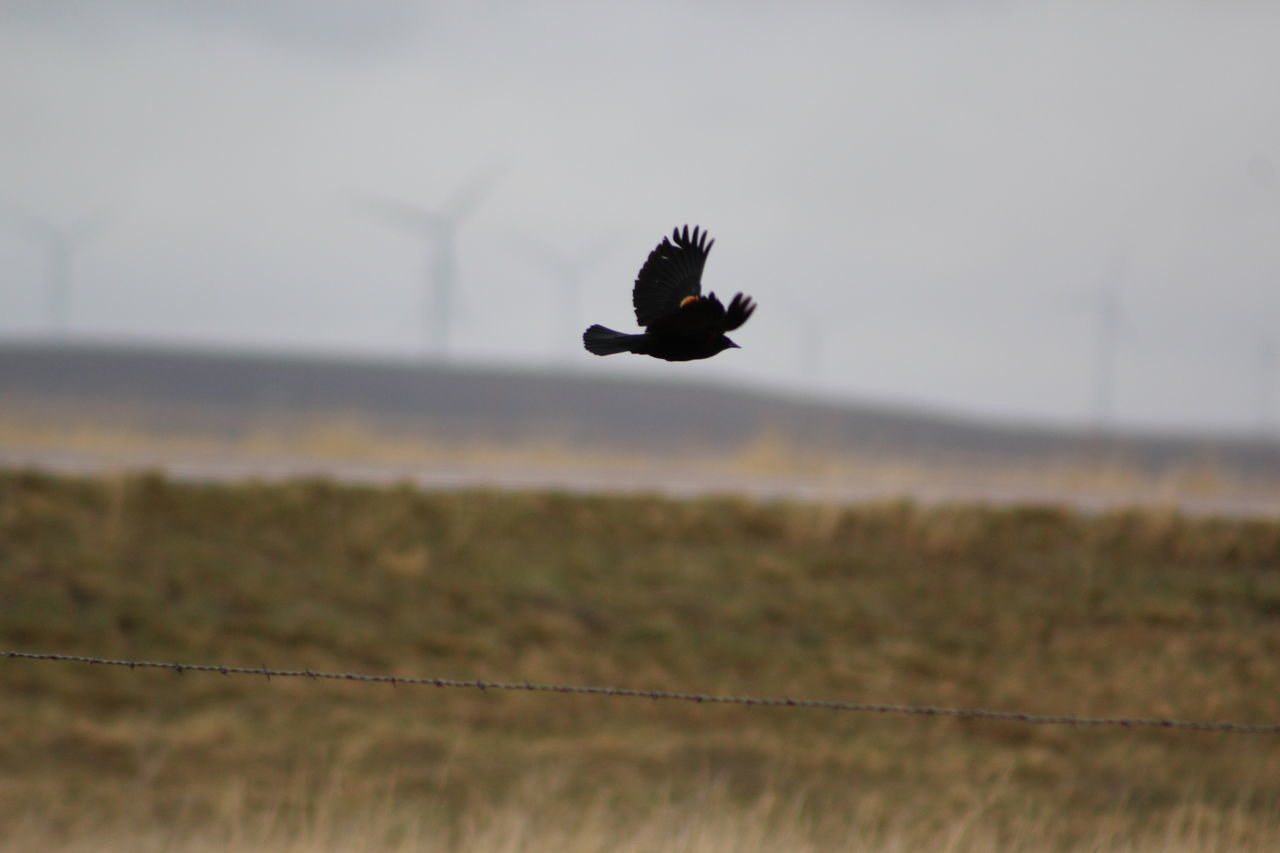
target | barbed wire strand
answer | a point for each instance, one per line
(698, 698)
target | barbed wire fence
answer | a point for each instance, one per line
(669, 695)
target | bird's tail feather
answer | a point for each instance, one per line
(602, 341)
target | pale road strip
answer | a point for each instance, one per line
(454, 476)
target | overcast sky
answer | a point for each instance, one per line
(928, 199)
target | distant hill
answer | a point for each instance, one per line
(231, 391)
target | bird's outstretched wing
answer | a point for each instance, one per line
(672, 273)
(739, 311)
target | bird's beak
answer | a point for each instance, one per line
(735, 346)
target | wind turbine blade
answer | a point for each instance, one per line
(599, 248)
(546, 255)
(45, 230)
(87, 227)
(396, 213)
(34, 226)
(566, 264)
(467, 198)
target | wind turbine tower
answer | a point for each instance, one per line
(812, 348)
(60, 243)
(439, 229)
(569, 271)
(1111, 323)
(1268, 361)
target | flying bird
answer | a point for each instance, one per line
(680, 324)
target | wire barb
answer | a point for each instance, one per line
(698, 698)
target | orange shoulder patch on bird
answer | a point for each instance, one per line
(688, 300)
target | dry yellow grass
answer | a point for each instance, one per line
(1029, 608)
(541, 815)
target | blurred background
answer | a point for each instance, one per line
(1035, 223)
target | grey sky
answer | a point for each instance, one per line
(935, 190)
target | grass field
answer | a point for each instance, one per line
(1032, 609)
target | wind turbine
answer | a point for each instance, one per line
(1267, 375)
(569, 270)
(439, 229)
(61, 243)
(1262, 174)
(1111, 323)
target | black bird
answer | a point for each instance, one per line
(680, 323)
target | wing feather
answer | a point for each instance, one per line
(672, 272)
(739, 311)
